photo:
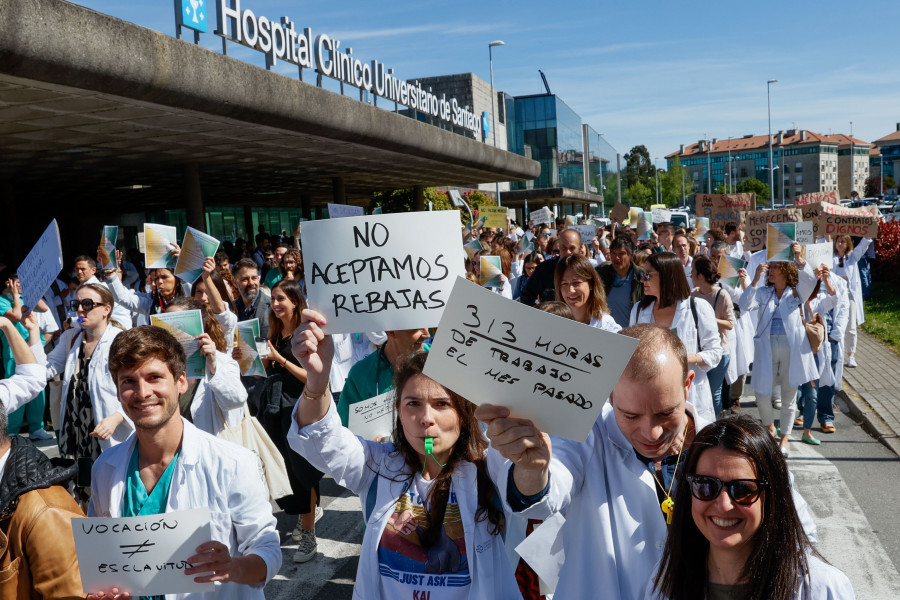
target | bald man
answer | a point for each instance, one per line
(540, 285)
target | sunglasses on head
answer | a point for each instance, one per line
(741, 491)
(87, 304)
(645, 275)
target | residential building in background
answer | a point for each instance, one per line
(886, 152)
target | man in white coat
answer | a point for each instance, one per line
(191, 468)
(614, 487)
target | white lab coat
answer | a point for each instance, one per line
(762, 301)
(228, 321)
(710, 345)
(222, 395)
(210, 473)
(850, 273)
(355, 463)
(740, 339)
(104, 395)
(606, 323)
(139, 303)
(21, 388)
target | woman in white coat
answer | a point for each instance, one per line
(432, 520)
(782, 353)
(845, 262)
(91, 419)
(211, 291)
(579, 286)
(667, 303)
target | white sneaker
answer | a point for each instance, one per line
(41, 434)
(776, 403)
(306, 551)
(297, 533)
(851, 362)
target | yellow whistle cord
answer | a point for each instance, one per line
(668, 505)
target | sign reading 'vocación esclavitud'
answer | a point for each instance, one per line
(280, 40)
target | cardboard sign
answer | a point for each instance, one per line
(834, 220)
(755, 224)
(495, 216)
(250, 362)
(824, 197)
(39, 269)
(555, 371)
(185, 325)
(141, 555)
(382, 272)
(722, 208)
(106, 251)
(781, 238)
(661, 215)
(588, 232)
(159, 241)
(373, 419)
(728, 270)
(195, 249)
(618, 213)
(543, 215)
(338, 211)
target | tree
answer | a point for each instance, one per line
(640, 195)
(873, 185)
(754, 185)
(638, 167)
(675, 184)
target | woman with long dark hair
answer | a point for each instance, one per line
(285, 383)
(667, 303)
(432, 520)
(167, 288)
(578, 285)
(735, 531)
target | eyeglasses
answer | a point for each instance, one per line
(87, 304)
(742, 491)
(646, 275)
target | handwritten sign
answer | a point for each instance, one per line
(196, 248)
(543, 215)
(781, 238)
(618, 213)
(755, 223)
(555, 371)
(825, 197)
(141, 555)
(722, 208)
(834, 219)
(661, 215)
(496, 216)
(373, 418)
(339, 211)
(819, 254)
(382, 272)
(40, 268)
(106, 251)
(588, 232)
(159, 241)
(185, 325)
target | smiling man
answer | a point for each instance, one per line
(169, 465)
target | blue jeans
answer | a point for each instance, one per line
(716, 376)
(825, 395)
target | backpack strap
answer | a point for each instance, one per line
(696, 322)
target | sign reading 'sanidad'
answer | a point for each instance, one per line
(382, 272)
(280, 40)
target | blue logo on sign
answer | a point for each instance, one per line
(193, 14)
(486, 123)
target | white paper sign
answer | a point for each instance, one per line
(337, 211)
(543, 215)
(803, 231)
(373, 418)
(141, 555)
(661, 215)
(40, 268)
(544, 551)
(553, 370)
(382, 272)
(588, 232)
(819, 254)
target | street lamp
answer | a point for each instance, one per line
(655, 168)
(881, 172)
(771, 160)
(493, 110)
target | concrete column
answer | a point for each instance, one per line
(11, 242)
(585, 210)
(306, 206)
(418, 198)
(338, 192)
(193, 198)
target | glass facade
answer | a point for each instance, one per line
(602, 167)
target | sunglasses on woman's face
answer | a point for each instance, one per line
(87, 304)
(741, 491)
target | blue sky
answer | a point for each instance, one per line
(641, 72)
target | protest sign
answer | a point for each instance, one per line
(142, 247)
(159, 242)
(511, 214)
(40, 268)
(701, 227)
(825, 197)
(373, 419)
(525, 244)
(543, 215)
(195, 249)
(618, 213)
(472, 248)
(722, 208)
(249, 361)
(781, 238)
(755, 224)
(337, 211)
(555, 371)
(106, 251)
(185, 325)
(834, 220)
(588, 232)
(490, 271)
(382, 272)
(495, 216)
(642, 221)
(661, 215)
(728, 269)
(819, 254)
(545, 552)
(144, 555)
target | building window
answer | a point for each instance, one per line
(798, 168)
(799, 179)
(787, 168)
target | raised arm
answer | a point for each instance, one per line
(315, 351)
